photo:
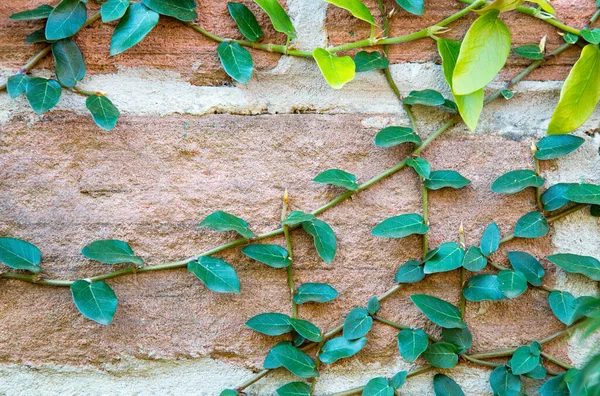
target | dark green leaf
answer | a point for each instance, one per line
(474, 260)
(450, 256)
(595, 210)
(591, 36)
(438, 311)
(103, 111)
(483, 288)
(294, 389)
(400, 226)
(68, 61)
(42, 94)
(66, 19)
(17, 85)
(245, 20)
(223, 221)
(39, 36)
(41, 12)
(236, 61)
(557, 146)
(537, 373)
(462, 339)
(273, 255)
(523, 361)
(570, 38)
(507, 94)
(337, 70)
(490, 240)
(306, 329)
(324, 238)
(272, 324)
(515, 181)
(293, 359)
(584, 193)
(137, 22)
(555, 387)
(427, 97)
(216, 274)
(531, 225)
(96, 300)
(446, 178)
(113, 10)
(421, 166)
(563, 306)
(340, 348)
(412, 343)
(528, 265)
(357, 324)
(183, 10)
(228, 392)
(398, 379)
(450, 105)
(378, 386)
(410, 272)
(441, 354)
(19, 254)
(536, 348)
(512, 283)
(366, 61)
(111, 251)
(373, 305)
(337, 177)
(554, 197)
(529, 51)
(503, 380)
(314, 292)
(297, 340)
(297, 217)
(415, 7)
(430, 254)
(585, 265)
(395, 135)
(446, 386)
(280, 20)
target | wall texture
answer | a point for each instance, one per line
(190, 142)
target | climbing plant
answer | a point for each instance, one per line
(468, 67)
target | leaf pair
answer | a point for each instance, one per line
(487, 287)
(568, 309)
(274, 324)
(323, 236)
(381, 386)
(284, 354)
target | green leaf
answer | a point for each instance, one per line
(337, 177)
(280, 20)
(294, 389)
(357, 324)
(183, 10)
(438, 311)
(398, 379)
(41, 12)
(17, 85)
(591, 36)
(66, 19)
(314, 292)
(395, 135)
(271, 324)
(529, 51)
(415, 7)
(580, 93)
(113, 10)
(42, 94)
(324, 238)
(421, 166)
(563, 306)
(587, 380)
(137, 22)
(570, 38)
(528, 265)
(293, 359)
(223, 221)
(446, 178)
(367, 61)
(446, 386)
(512, 283)
(297, 217)
(356, 8)
(595, 210)
(39, 36)
(410, 272)
(337, 70)
(555, 387)
(272, 255)
(236, 61)
(503, 380)
(412, 343)
(216, 274)
(340, 348)
(474, 260)
(462, 339)
(483, 288)
(584, 193)
(552, 147)
(507, 94)
(95, 300)
(515, 181)
(537, 373)
(373, 305)
(111, 251)
(103, 111)
(523, 361)
(490, 240)
(19, 254)
(228, 392)
(245, 20)
(427, 97)
(68, 61)
(532, 225)
(441, 354)
(554, 197)
(378, 386)
(400, 226)
(585, 265)
(306, 329)
(449, 257)
(483, 53)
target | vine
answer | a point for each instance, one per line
(468, 67)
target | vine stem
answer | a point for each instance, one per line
(412, 373)
(463, 300)
(425, 198)
(288, 241)
(538, 190)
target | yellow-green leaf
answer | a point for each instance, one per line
(501, 6)
(279, 18)
(357, 8)
(336, 70)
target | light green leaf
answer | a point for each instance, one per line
(415, 7)
(446, 386)
(483, 53)
(367, 61)
(68, 61)
(515, 181)
(340, 348)
(236, 61)
(113, 10)
(395, 135)
(503, 380)
(462, 339)
(66, 19)
(272, 323)
(180, 9)
(378, 386)
(111, 251)
(427, 97)
(523, 361)
(532, 225)
(450, 256)
(324, 238)
(357, 8)
(336, 70)
(314, 292)
(441, 354)
(280, 20)
(357, 324)
(558, 146)
(272, 255)
(474, 260)
(245, 20)
(507, 94)
(591, 36)
(17, 85)
(373, 305)
(446, 178)
(41, 12)
(42, 94)
(490, 240)
(294, 389)
(438, 311)
(529, 51)
(20, 254)
(584, 193)
(216, 274)
(412, 343)
(563, 306)
(570, 38)
(103, 111)
(528, 265)
(554, 197)
(228, 392)
(293, 359)
(96, 300)
(223, 221)
(421, 166)
(483, 288)
(337, 177)
(306, 329)
(297, 217)
(544, 5)
(580, 93)
(410, 272)
(512, 283)
(137, 22)
(400, 226)
(585, 265)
